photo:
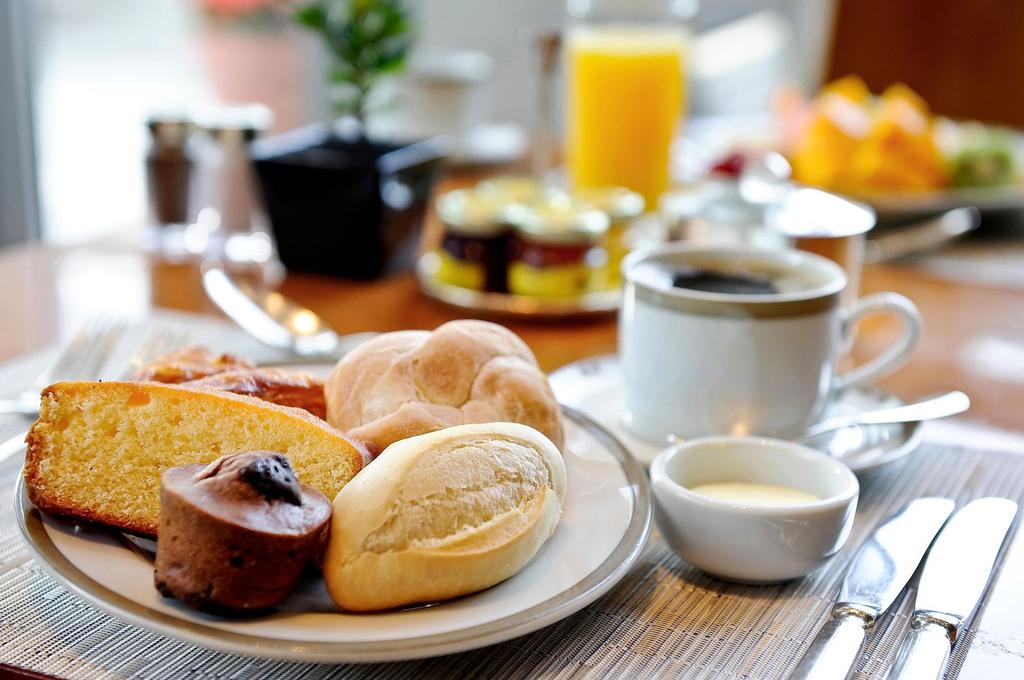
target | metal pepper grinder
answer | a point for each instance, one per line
(232, 223)
(229, 185)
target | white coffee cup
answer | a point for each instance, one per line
(699, 363)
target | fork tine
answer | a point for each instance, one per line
(70, 355)
(73, 355)
(159, 339)
(83, 358)
(103, 347)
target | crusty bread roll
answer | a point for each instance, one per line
(402, 384)
(442, 515)
(98, 448)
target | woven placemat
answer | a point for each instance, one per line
(664, 619)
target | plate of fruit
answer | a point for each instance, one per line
(891, 151)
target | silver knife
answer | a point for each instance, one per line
(876, 576)
(275, 320)
(955, 577)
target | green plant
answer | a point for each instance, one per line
(366, 39)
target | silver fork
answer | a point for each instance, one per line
(83, 358)
(157, 340)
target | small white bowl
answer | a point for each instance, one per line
(747, 543)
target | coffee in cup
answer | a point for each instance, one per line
(741, 340)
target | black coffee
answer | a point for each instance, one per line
(719, 282)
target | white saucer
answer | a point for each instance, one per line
(594, 386)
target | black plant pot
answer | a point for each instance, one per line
(341, 207)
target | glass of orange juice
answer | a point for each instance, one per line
(625, 68)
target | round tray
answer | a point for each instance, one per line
(588, 304)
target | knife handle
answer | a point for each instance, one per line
(836, 648)
(924, 652)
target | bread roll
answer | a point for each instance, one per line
(402, 384)
(442, 515)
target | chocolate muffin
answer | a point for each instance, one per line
(235, 535)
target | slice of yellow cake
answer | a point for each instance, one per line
(98, 449)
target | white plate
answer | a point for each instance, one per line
(594, 386)
(710, 138)
(903, 206)
(605, 522)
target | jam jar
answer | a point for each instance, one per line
(622, 207)
(474, 248)
(559, 247)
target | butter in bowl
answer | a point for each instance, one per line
(751, 509)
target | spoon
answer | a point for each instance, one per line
(938, 406)
(921, 237)
(930, 408)
(275, 320)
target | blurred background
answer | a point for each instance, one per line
(85, 75)
(81, 78)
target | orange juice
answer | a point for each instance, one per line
(625, 96)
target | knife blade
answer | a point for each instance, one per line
(922, 237)
(267, 315)
(955, 576)
(277, 321)
(875, 578)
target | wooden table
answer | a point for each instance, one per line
(973, 340)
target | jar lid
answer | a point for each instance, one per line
(509, 188)
(559, 218)
(467, 212)
(813, 213)
(619, 203)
